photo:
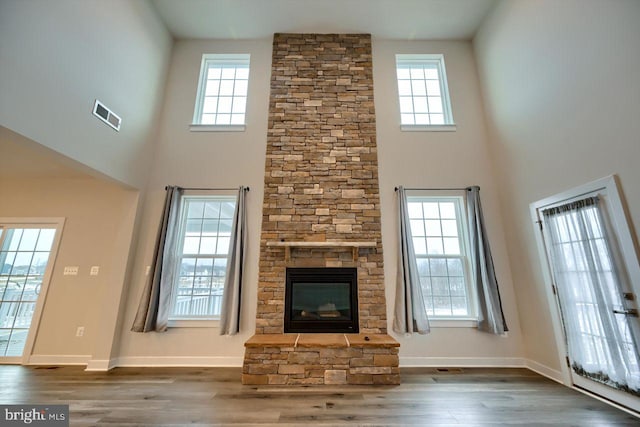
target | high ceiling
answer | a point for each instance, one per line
(388, 19)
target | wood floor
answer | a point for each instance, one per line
(214, 396)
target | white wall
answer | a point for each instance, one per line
(561, 91)
(441, 160)
(97, 231)
(209, 160)
(229, 159)
(58, 57)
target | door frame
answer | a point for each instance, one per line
(36, 222)
(620, 221)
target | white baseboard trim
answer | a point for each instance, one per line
(460, 362)
(100, 365)
(57, 359)
(179, 361)
(545, 371)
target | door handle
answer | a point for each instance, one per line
(630, 312)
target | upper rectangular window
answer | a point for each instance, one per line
(440, 243)
(202, 249)
(423, 91)
(222, 90)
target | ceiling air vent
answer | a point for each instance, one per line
(106, 115)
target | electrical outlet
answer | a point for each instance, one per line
(80, 331)
(71, 271)
(94, 270)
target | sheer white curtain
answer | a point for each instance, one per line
(588, 278)
(410, 314)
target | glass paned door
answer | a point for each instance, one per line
(24, 254)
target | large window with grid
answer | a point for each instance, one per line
(423, 91)
(222, 90)
(202, 249)
(438, 230)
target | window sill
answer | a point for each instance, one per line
(194, 323)
(428, 128)
(453, 323)
(194, 127)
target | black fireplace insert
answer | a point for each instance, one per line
(321, 300)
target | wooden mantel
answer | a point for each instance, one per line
(332, 244)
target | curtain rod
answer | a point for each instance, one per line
(434, 189)
(207, 189)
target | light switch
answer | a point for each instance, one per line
(94, 270)
(71, 271)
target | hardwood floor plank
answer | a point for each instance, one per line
(214, 397)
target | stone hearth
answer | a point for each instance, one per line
(321, 209)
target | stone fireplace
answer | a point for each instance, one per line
(321, 210)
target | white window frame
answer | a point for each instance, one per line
(193, 321)
(436, 61)
(240, 59)
(471, 319)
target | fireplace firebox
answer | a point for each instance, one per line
(321, 300)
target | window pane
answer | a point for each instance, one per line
(454, 267)
(191, 245)
(419, 246)
(46, 239)
(242, 73)
(224, 104)
(407, 119)
(423, 266)
(436, 119)
(431, 74)
(240, 88)
(29, 239)
(422, 119)
(239, 105)
(417, 227)
(228, 72)
(451, 246)
(208, 119)
(456, 286)
(227, 210)
(403, 73)
(438, 266)
(459, 306)
(440, 286)
(447, 210)
(406, 104)
(418, 88)
(449, 228)
(195, 209)
(414, 210)
(433, 227)
(433, 87)
(208, 245)
(226, 87)
(210, 105)
(441, 306)
(213, 88)
(434, 246)
(435, 104)
(223, 119)
(187, 267)
(193, 226)
(223, 245)
(431, 210)
(214, 73)
(210, 227)
(404, 87)
(237, 119)
(420, 104)
(417, 73)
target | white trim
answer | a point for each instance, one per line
(100, 365)
(195, 127)
(58, 359)
(429, 128)
(180, 361)
(452, 323)
(194, 323)
(545, 371)
(468, 362)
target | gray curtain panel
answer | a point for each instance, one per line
(231, 297)
(410, 314)
(155, 303)
(490, 318)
